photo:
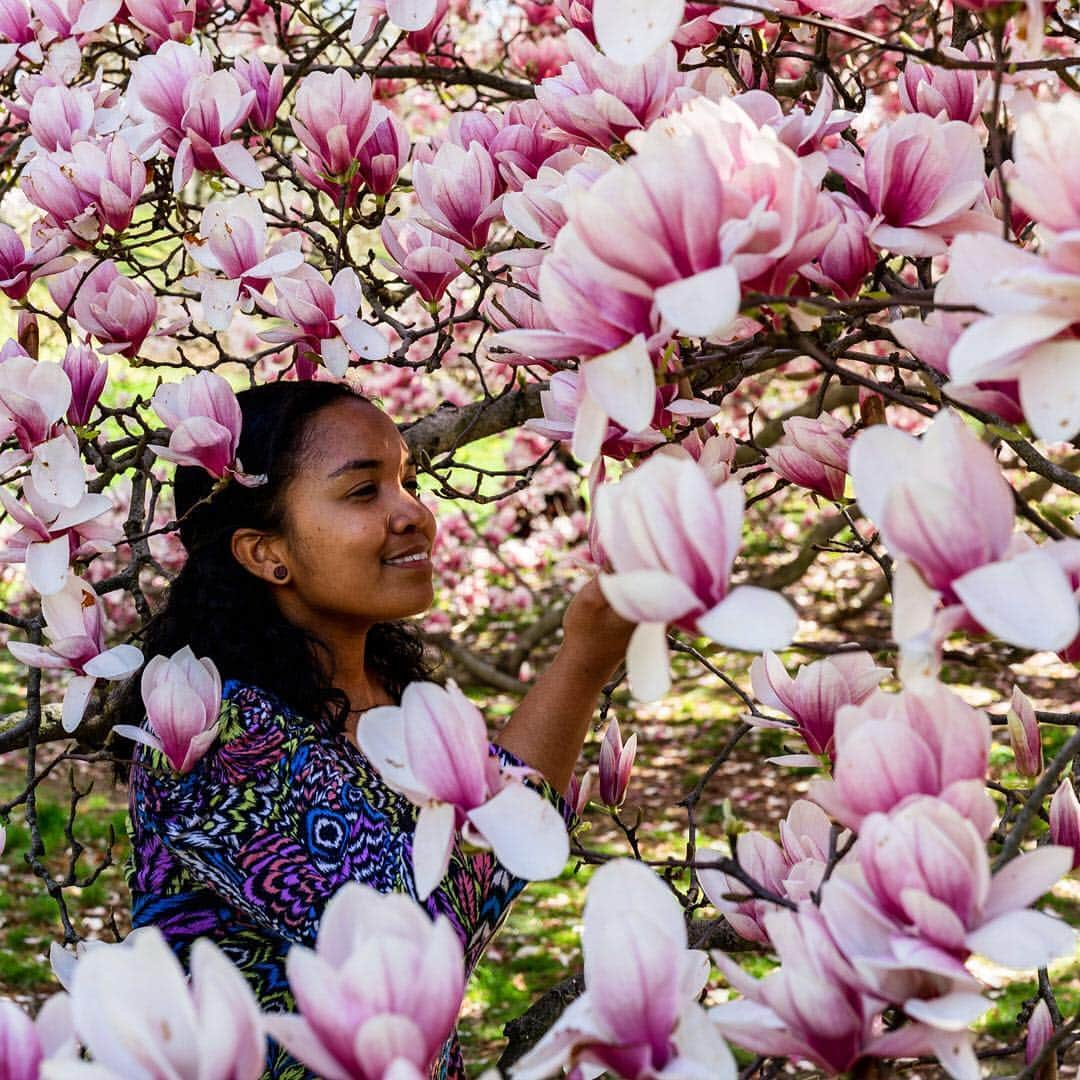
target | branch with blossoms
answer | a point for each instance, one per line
(699, 265)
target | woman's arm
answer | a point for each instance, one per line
(549, 726)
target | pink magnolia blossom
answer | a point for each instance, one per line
(34, 395)
(945, 93)
(638, 1017)
(67, 207)
(114, 309)
(671, 538)
(420, 18)
(268, 87)
(814, 1007)
(52, 534)
(18, 36)
(930, 984)
(60, 117)
(434, 750)
(1024, 734)
(1043, 180)
(1065, 819)
(425, 259)
(597, 102)
(204, 416)
(378, 995)
(325, 317)
(457, 193)
(847, 257)
(73, 18)
(920, 180)
(75, 628)
(158, 91)
(523, 143)
(87, 374)
(790, 869)
(931, 340)
(630, 31)
(138, 1015)
(813, 454)
(1039, 1032)
(26, 1045)
(616, 764)
(813, 697)
(162, 20)
(1027, 334)
(924, 741)
(910, 489)
(642, 255)
(332, 117)
(799, 130)
(216, 106)
(539, 59)
(231, 245)
(383, 154)
(19, 268)
(112, 176)
(578, 792)
(538, 209)
(565, 395)
(926, 867)
(182, 696)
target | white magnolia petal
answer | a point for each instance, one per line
(623, 383)
(47, 565)
(527, 833)
(702, 305)
(78, 692)
(1023, 940)
(630, 31)
(647, 665)
(1026, 601)
(432, 842)
(750, 618)
(1050, 390)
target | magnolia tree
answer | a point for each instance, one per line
(691, 259)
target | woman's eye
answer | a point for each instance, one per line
(363, 492)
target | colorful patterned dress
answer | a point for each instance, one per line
(248, 847)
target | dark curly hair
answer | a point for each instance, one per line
(228, 614)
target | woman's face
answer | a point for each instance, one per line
(357, 539)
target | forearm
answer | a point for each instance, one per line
(549, 727)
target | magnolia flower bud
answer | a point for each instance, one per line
(1065, 819)
(1024, 734)
(616, 763)
(1040, 1029)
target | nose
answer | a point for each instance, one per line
(411, 515)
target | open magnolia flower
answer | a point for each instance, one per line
(75, 627)
(639, 1016)
(378, 994)
(671, 538)
(182, 695)
(434, 749)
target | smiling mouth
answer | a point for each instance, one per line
(417, 560)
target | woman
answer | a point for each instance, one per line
(295, 588)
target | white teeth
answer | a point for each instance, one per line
(406, 559)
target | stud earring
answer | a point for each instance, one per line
(281, 572)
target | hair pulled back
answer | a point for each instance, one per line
(228, 614)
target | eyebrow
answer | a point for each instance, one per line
(365, 463)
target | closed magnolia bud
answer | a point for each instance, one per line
(1024, 734)
(1040, 1030)
(616, 762)
(1065, 819)
(578, 792)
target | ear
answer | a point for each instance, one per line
(259, 553)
